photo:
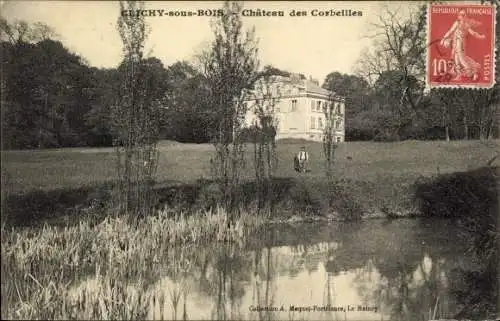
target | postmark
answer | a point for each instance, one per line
(461, 45)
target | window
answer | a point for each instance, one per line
(337, 110)
(339, 139)
(277, 108)
(313, 123)
(320, 123)
(338, 124)
(312, 105)
(318, 106)
(294, 104)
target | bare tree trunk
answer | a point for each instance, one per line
(446, 120)
(40, 144)
(490, 130)
(330, 146)
(482, 128)
(496, 120)
(466, 127)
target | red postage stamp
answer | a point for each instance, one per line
(461, 45)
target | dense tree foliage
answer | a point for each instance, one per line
(188, 117)
(387, 99)
(51, 97)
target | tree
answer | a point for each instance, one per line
(467, 114)
(357, 93)
(102, 97)
(230, 69)
(264, 97)
(20, 31)
(24, 112)
(399, 58)
(332, 113)
(270, 70)
(136, 125)
(396, 67)
(43, 95)
(188, 115)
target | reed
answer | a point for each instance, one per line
(40, 265)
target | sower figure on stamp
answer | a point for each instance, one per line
(301, 160)
(464, 65)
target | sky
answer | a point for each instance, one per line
(311, 45)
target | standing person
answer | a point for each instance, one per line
(456, 36)
(302, 158)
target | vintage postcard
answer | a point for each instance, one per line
(250, 160)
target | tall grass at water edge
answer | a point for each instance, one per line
(39, 266)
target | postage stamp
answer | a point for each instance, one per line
(461, 45)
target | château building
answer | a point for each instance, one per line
(298, 106)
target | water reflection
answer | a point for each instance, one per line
(376, 270)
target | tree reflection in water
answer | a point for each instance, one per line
(264, 287)
(232, 272)
(412, 277)
(404, 267)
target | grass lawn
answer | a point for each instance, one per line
(381, 163)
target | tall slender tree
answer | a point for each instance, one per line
(333, 114)
(230, 69)
(264, 98)
(136, 117)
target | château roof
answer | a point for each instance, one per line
(307, 86)
(313, 88)
(310, 86)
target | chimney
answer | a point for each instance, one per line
(295, 78)
(314, 81)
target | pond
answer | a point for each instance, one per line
(405, 269)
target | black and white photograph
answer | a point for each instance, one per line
(250, 160)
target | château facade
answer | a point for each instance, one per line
(298, 106)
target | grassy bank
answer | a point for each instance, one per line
(372, 179)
